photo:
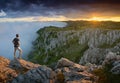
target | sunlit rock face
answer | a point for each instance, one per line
(65, 71)
(6, 73)
(70, 72)
(11, 69)
(22, 71)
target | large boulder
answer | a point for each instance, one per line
(63, 62)
(116, 69)
(72, 72)
(41, 74)
(21, 65)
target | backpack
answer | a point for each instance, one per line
(16, 42)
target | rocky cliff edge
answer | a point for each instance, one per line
(22, 71)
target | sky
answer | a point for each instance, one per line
(27, 32)
(24, 17)
(59, 10)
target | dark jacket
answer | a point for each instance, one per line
(16, 42)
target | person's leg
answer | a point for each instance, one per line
(20, 52)
(15, 49)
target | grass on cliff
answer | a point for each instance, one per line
(94, 24)
(71, 50)
(105, 45)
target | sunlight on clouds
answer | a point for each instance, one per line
(57, 18)
(32, 19)
(117, 19)
(95, 18)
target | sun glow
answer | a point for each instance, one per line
(95, 19)
(117, 19)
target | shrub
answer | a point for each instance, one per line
(105, 76)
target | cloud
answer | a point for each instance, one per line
(2, 13)
(70, 9)
(15, 4)
(27, 35)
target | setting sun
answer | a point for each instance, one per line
(95, 18)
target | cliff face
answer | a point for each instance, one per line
(100, 43)
(81, 45)
(21, 71)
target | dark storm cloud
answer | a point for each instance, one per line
(68, 8)
(55, 3)
(24, 4)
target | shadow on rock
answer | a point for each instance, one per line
(22, 66)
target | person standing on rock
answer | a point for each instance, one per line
(16, 42)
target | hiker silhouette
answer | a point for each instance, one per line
(16, 42)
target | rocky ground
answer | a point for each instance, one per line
(21, 71)
(11, 69)
(65, 71)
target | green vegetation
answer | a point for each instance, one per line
(105, 45)
(93, 24)
(53, 43)
(105, 76)
(71, 50)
